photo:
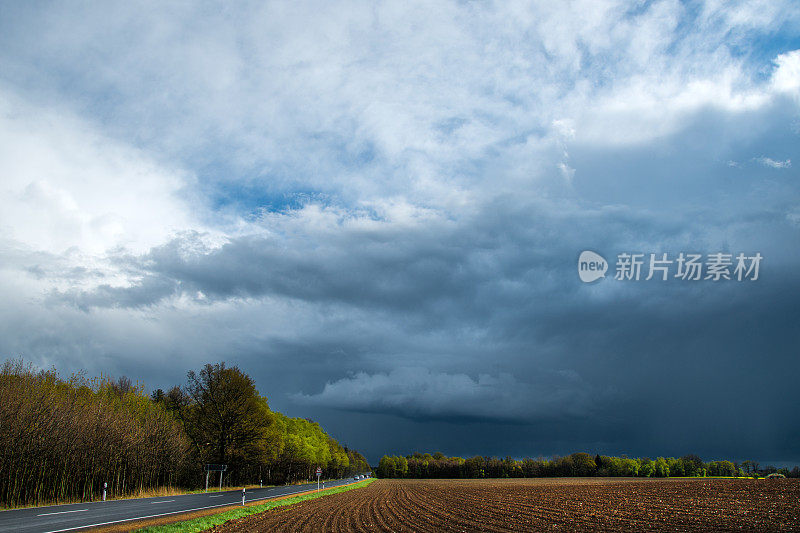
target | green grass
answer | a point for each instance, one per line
(206, 522)
(226, 488)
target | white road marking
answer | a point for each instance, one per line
(157, 515)
(63, 512)
(137, 518)
(217, 496)
(162, 501)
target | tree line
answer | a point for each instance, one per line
(61, 439)
(425, 465)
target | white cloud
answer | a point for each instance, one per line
(786, 76)
(566, 171)
(794, 217)
(67, 186)
(411, 114)
(285, 95)
(73, 200)
(773, 163)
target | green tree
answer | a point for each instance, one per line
(225, 415)
(661, 467)
(721, 468)
(646, 468)
(692, 465)
(675, 467)
(583, 464)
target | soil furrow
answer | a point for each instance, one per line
(575, 504)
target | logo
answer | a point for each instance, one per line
(684, 266)
(591, 266)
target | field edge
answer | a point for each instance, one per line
(195, 525)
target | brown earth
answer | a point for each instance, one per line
(132, 525)
(566, 504)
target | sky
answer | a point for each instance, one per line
(377, 209)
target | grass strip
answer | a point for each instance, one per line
(205, 522)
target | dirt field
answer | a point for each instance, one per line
(593, 504)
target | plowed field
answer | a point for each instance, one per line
(593, 504)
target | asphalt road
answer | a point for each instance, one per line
(77, 516)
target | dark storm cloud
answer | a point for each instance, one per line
(649, 359)
(420, 394)
(378, 214)
(507, 251)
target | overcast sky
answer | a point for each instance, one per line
(376, 210)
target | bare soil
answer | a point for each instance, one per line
(566, 504)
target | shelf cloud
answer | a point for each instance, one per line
(376, 210)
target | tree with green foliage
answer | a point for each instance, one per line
(226, 417)
(583, 464)
(675, 467)
(646, 467)
(61, 439)
(423, 465)
(721, 468)
(661, 467)
(692, 465)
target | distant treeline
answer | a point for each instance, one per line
(62, 439)
(425, 465)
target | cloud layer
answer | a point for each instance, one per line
(377, 209)
(420, 394)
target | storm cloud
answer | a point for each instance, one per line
(419, 394)
(377, 212)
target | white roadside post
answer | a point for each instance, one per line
(243, 489)
(105, 486)
(319, 473)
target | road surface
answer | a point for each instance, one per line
(77, 516)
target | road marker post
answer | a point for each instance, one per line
(319, 473)
(105, 486)
(243, 489)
